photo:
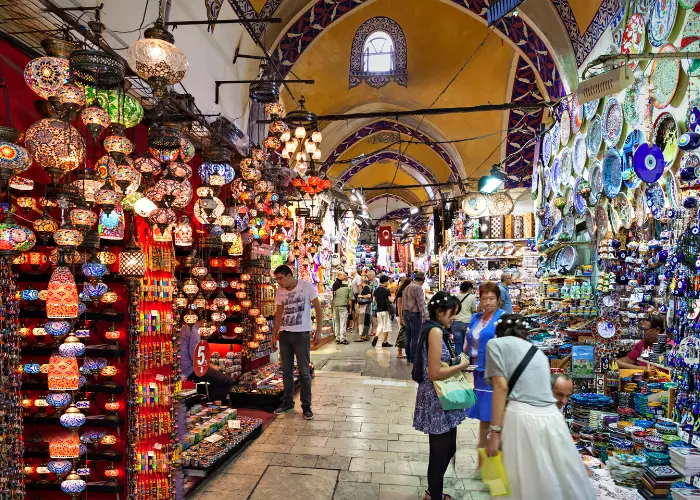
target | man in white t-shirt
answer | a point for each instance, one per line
(292, 328)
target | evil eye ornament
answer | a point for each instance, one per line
(690, 202)
(695, 230)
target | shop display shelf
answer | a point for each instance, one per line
(235, 340)
(191, 399)
(558, 247)
(92, 486)
(207, 471)
(40, 277)
(101, 455)
(101, 350)
(104, 387)
(91, 420)
(111, 316)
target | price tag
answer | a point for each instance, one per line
(160, 377)
(202, 354)
(214, 438)
(695, 441)
(234, 424)
(153, 385)
(685, 437)
(157, 446)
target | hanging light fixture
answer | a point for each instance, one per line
(45, 226)
(15, 238)
(56, 146)
(107, 197)
(156, 59)
(183, 232)
(111, 226)
(68, 236)
(26, 203)
(46, 75)
(62, 298)
(88, 185)
(95, 119)
(132, 261)
(82, 218)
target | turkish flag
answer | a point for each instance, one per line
(385, 236)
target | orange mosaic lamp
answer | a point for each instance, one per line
(64, 374)
(65, 446)
(62, 297)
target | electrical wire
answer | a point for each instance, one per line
(143, 20)
(497, 147)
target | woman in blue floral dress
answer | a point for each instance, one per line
(434, 346)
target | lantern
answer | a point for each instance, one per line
(73, 485)
(132, 261)
(109, 298)
(254, 312)
(95, 119)
(62, 298)
(56, 146)
(82, 218)
(106, 257)
(183, 232)
(15, 238)
(93, 268)
(45, 226)
(190, 318)
(19, 183)
(63, 374)
(71, 347)
(253, 345)
(111, 472)
(68, 236)
(72, 418)
(236, 248)
(113, 335)
(144, 206)
(246, 303)
(26, 203)
(190, 287)
(111, 226)
(208, 284)
(123, 108)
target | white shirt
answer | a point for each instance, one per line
(356, 282)
(476, 333)
(297, 306)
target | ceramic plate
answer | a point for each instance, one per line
(474, 204)
(612, 122)
(471, 250)
(661, 21)
(643, 8)
(601, 220)
(655, 200)
(672, 189)
(500, 204)
(564, 128)
(666, 136)
(590, 108)
(692, 117)
(640, 206)
(556, 176)
(576, 114)
(546, 149)
(590, 223)
(547, 180)
(615, 219)
(535, 178)
(579, 201)
(632, 141)
(612, 173)
(555, 138)
(630, 105)
(508, 248)
(580, 154)
(594, 137)
(617, 25)
(482, 249)
(634, 38)
(624, 209)
(665, 74)
(687, 4)
(595, 178)
(690, 42)
(566, 167)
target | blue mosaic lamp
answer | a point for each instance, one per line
(72, 418)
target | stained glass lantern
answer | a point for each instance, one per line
(39, 332)
(181, 301)
(163, 217)
(187, 150)
(190, 318)
(30, 294)
(217, 162)
(15, 238)
(123, 108)
(113, 335)
(278, 128)
(26, 203)
(179, 170)
(68, 100)
(199, 271)
(31, 368)
(183, 232)
(147, 165)
(108, 371)
(126, 177)
(95, 291)
(112, 405)
(246, 303)
(144, 207)
(14, 159)
(254, 312)
(190, 287)
(156, 59)
(209, 284)
(207, 210)
(70, 256)
(60, 468)
(56, 146)
(62, 298)
(47, 203)
(164, 143)
(68, 236)
(20, 183)
(28, 470)
(117, 145)
(236, 248)
(82, 333)
(107, 197)
(63, 375)
(272, 143)
(245, 277)
(73, 485)
(199, 302)
(45, 75)
(220, 302)
(108, 440)
(228, 237)
(88, 185)
(82, 218)
(45, 226)
(258, 154)
(132, 260)
(241, 295)
(173, 193)
(40, 404)
(96, 119)
(253, 345)
(111, 226)
(109, 298)
(71, 347)
(106, 257)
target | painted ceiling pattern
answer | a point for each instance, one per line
(583, 43)
(384, 125)
(402, 158)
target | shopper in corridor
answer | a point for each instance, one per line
(414, 313)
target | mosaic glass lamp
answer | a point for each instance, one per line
(107, 257)
(123, 108)
(156, 59)
(144, 206)
(111, 226)
(96, 119)
(45, 226)
(146, 164)
(15, 238)
(94, 268)
(82, 218)
(68, 236)
(109, 298)
(72, 347)
(56, 146)
(132, 260)
(179, 170)
(64, 375)
(46, 75)
(88, 185)
(62, 297)
(26, 203)
(73, 485)
(21, 183)
(14, 159)
(236, 248)
(183, 232)
(190, 287)
(107, 197)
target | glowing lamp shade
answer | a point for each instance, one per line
(260, 320)
(190, 287)
(46, 75)
(183, 232)
(236, 248)
(107, 257)
(62, 298)
(65, 446)
(144, 206)
(111, 225)
(82, 218)
(108, 371)
(45, 226)
(158, 62)
(109, 297)
(112, 334)
(199, 272)
(15, 238)
(55, 145)
(190, 318)
(96, 119)
(88, 186)
(254, 312)
(122, 107)
(199, 302)
(28, 470)
(72, 418)
(14, 158)
(218, 317)
(71, 347)
(241, 295)
(68, 236)
(20, 183)
(108, 440)
(39, 332)
(253, 345)
(64, 374)
(275, 109)
(93, 268)
(94, 291)
(73, 485)
(245, 277)
(147, 165)
(112, 405)
(132, 263)
(31, 368)
(30, 294)
(209, 284)
(246, 303)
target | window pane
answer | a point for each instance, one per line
(378, 53)
(379, 62)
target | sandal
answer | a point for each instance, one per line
(400, 356)
(445, 496)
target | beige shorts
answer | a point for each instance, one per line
(383, 322)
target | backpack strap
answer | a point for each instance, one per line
(521, 368)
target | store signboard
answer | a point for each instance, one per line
(202, 355)
(609, 83)
(582, 358)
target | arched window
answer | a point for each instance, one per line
(378, 54)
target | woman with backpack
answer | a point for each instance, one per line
(539, 455)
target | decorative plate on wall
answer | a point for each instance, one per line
(546, 149)
(547, 181)
(630, 105)
(601, 220)
(613, 120)
(632, 141)
(566, 167)
(564, 128)
(590, 108)
(649, 162)
(590, 223)
(612, 173)
(595, 179)
(594, 136)
(555, 137)
(624, 209)
(692, 117)
(665, 75)
(690, 42)
(556, 176)
(579, 201)
(634, 38)
(576, 114)
(580, 154)
(687, 4)
(500, 204)
(535, 187)
(672, 188)
(474, 204)
(655, 200)
(666, 136)
(661, 21)
(617, 25)
(640, 206)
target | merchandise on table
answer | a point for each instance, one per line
(215, 445)
(266, 379)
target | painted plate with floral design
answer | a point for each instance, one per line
(579, 201)
(566, 167)
(634, 38)
(546, 149)
(665, 75)
(613, 120)
(661, 21)
(612, 173)
(630, 104)
(640, 206)
(595, 179)
(617, 25)
(590, 223)
(576, 114)
(624, 209)
(555, 138)
(564, 128)
(687, 4)
(601, 220)
(590, 108)
(690, 42)
(594, 136)
(547, 177)
(556, 176)
(580, 154)
(656, 200)
(666, 136)
(672, 189)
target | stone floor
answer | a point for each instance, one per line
(361, 444)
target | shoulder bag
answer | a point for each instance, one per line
(521, 368)
(454, 392)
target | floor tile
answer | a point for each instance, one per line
(311, 441)
(294, 460)
(333, 462)
(395, 492)
(399, 479)
(366, 465)
(356, 491)
(296, 482)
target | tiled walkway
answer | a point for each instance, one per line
(361, 444)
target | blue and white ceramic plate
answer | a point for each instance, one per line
(564, 128)
(566, 167)
(612, 173)
(661, 21)
(590, 223)
(555, 137)
(590, 108)
(613, 120)
(655, 200)
(546, 149)
(595, 179)
(547, 178)
(672, 189)
(594, 136)
(580, 154)
(579, 201)
(556, 176)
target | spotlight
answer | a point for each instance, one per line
(490, 183)
(415, 210)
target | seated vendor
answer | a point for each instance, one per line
(652, 326)
(219, 384)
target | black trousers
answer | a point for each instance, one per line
(219, 385)
(442, 448)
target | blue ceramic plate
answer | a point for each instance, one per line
(547, 179)
(655, 200)
(566, 167)
(661, 21)
(594, 137)
(580, 154)
(546, 149)
(555, 138)
(556, 176)
(579, 201)
(612, 173)
(613, 120)
(595, 179)
(590, 108)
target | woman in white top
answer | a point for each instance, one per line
(539, 456)
(461, 323)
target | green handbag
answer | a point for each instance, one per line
(454, 392)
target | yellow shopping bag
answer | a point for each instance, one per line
(493, 474)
